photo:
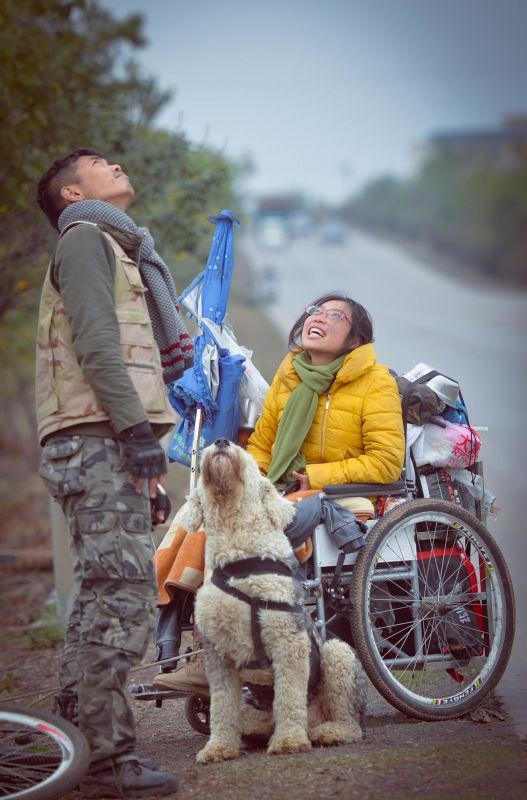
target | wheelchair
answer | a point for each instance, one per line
(427, 602)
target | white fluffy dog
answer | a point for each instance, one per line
(250, 608)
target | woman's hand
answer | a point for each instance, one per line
(302, 479)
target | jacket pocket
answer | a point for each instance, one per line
(61, 466)
(148, 383)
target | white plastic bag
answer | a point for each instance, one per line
(455, 446)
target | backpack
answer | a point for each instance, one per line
(426, 393)
(419, 402)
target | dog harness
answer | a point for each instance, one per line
(244, 569)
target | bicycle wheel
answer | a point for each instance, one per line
(42, 757)
(433, 619)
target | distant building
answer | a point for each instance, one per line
(504, 147)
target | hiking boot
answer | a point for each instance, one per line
(190, 678)
(66, 705)
(128, 779)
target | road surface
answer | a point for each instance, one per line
(475, 334)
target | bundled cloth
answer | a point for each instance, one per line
(180, 562)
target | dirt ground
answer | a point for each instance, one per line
(476, 757)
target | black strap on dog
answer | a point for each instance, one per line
(244, 569)
(254, 566)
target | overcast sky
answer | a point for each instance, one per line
(325, 95)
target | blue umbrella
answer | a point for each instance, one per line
(207, 395)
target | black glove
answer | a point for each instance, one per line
(160, 504)
(143, 455)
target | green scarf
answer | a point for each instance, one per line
(298, 417)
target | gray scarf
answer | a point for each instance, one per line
(173, 340)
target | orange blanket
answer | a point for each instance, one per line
(180, 558)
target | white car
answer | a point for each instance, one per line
(271, 233)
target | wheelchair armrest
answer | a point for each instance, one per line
(365, 489)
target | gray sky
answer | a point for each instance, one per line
(325, 95)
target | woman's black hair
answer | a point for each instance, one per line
(361, 329)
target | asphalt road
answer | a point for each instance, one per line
(472, 332)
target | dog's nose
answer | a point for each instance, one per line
(222, 443)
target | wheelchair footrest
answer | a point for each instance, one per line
(146, 691)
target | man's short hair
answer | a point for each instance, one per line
(61, 173)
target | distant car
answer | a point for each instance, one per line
(271, 233)
(333, 231)
(300, 225)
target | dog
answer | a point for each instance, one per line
(250, 614)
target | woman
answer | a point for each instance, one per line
(332, 413)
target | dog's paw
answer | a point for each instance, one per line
(217, 752)
(331, 734)
(292, 743)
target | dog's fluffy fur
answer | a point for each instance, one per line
(244, 516)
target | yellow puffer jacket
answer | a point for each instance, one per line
(357, 433)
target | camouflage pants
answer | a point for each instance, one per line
(115, 588)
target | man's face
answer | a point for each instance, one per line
(97, 180)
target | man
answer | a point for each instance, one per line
(109, 336)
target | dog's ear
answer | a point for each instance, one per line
(279, 510)
(190, 515)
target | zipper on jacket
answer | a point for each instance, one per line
(323, 428)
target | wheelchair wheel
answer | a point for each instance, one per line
(197, 712)
(42, 757)
(433, 619)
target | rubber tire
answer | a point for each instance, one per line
(422, 707)
(194, 706)
(72, 740)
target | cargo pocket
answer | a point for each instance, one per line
(60, 466)
(100, 533)
(117, 544)
(122, 620)
(137, 547)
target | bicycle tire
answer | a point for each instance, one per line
(399, 625)
(42, 756)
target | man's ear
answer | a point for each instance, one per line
(71, 193)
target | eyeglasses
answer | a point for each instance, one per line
(333, 314)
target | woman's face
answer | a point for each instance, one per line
(323, 337)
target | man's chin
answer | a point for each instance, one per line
(123, 200)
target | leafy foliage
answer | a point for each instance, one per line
(473, 211)
(69, 81)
